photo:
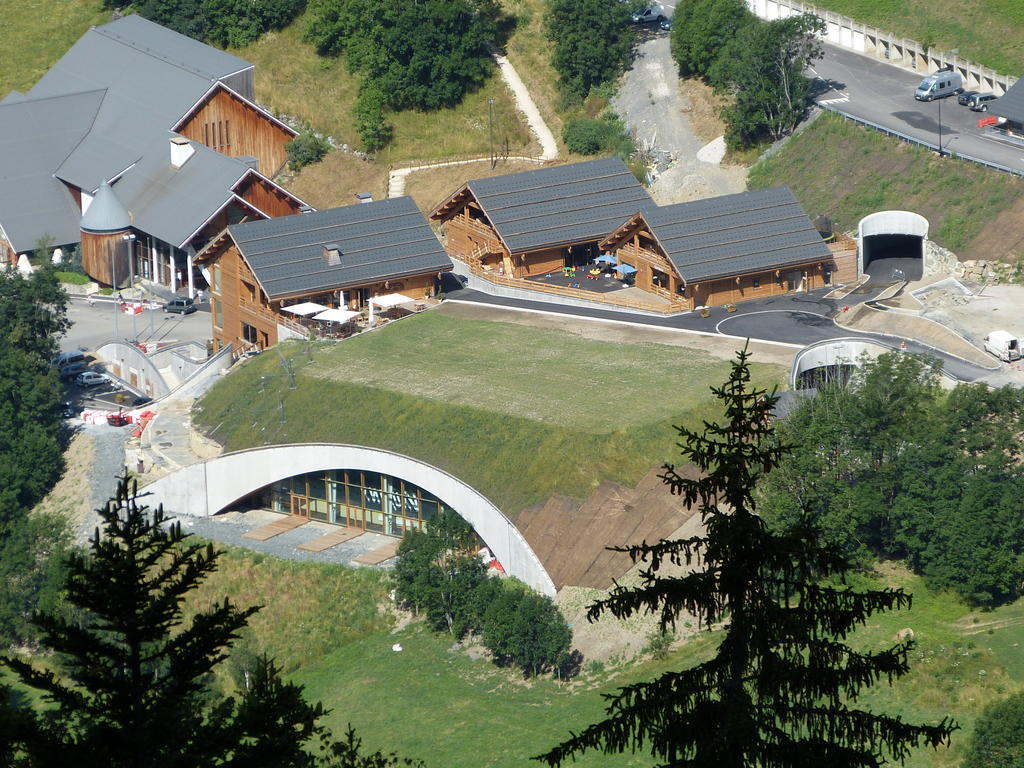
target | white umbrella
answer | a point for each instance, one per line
(308, 308)
(336, 315)
(391, 300)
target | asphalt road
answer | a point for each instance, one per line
(93, 326)
(884, 94)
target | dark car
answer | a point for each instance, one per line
(68, 410)
(71, 370)
(980, 101)
(181, 306)
(666, 24)
(965, 97)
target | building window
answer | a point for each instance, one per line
(756, 282)
(215, 277)
(249, 291)
(249, 333)
(218, 312)
(659, 278)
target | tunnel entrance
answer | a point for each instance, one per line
(892, 246)
(892, 258)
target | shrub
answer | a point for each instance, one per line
(305, 149)
(74, 278)
(368, 117)
(524, 628)
(605, 135)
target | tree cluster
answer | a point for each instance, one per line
(899, 468)
(593, 43)
(130, 684)
(760, 64)
(439, 575)
(224, 23)
(33, 316)
(778, 691)
(998, 738)
(424, 55)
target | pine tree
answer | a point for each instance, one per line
(778, 692)
(131, 688)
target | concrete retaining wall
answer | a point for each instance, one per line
(124, 360)
(213, 486)
(870, 41)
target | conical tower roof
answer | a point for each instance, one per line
(106, 213)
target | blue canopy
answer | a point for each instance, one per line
(605, 258)
(625, 269)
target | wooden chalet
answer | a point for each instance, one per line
(165, 121)
(339, 258)
(513, 229)
(728, 249)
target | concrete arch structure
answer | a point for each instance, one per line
(211, 486)
(901, 224)
(833, 353)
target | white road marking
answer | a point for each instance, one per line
(842, 100)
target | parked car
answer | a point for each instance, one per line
(71, 370)
(650, 13)
(181, 306)
(666, 24)
(964, 98)
(979, 102)
(118, 419)
(68, 410)
(71, 356)
(90, 379)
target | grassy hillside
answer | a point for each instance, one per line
(455, 709)
(37, 33)
(838, 168)
(990, 32)
(517, 412)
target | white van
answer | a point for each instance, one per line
(1003, 345)
(942, 83)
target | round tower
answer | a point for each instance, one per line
(105, 250)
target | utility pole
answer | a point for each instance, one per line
(490, 130)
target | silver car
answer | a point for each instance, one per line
(90, 379)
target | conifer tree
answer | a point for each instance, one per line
(131, 690)
(779, 691)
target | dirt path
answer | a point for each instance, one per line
(656, 112)
(548, 146)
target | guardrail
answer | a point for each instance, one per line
(921, 142)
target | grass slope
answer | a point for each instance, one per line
(517, 412)
(37, 33)
(989, 32)
(838, 168)
(291, 78)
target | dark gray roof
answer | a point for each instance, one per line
(35, 136)
(747, 232)
(383, 240)
(170, 203)
(106, 213)
(564, 204)
(1011, 104)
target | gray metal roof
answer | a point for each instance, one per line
(170, 203)
(1011, 104)
(106, 213)
(734, 234)
(386, 239)
(564, 204)
(35, 136)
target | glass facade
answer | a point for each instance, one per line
(367, 500)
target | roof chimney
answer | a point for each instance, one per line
(181, 151)
(364, 197)
(332, 254)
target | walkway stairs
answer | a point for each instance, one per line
(571, 539)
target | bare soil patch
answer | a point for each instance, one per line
(702, 107)
(69, 498)
(1002, 238)
(337, 179)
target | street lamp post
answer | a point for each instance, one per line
(940, 127)
(129, 239)
(490, 130)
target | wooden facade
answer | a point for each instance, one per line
(105, 257)
(268, 198)
(241, 313)
(232, 126)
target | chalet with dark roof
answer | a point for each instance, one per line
(338, 258)
(561, 229)
(167, 123)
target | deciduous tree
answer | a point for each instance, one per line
(777, 691)
(998, 738)
(593, 43)
(701, 31)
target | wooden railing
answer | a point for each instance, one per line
(475, 266)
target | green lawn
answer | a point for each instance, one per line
(989, 32)
(517, 412)
(838, 168)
